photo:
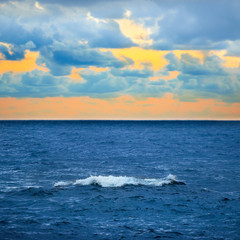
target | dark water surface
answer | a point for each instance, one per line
(119, 180)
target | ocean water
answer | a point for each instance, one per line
(119, 180)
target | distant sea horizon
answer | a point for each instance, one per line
(99, 119)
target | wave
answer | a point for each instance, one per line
(120, 181)
(28, 190)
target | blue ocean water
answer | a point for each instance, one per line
(119, 180)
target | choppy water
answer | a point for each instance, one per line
(119, 180)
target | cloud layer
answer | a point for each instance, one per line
(109, 49)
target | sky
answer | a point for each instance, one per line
(120, 59)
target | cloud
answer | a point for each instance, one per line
(60, 58)
(13, 53)
(28, 63)
(189, 79)
(21, 24)
(109, 36)
(80, 3)
(196, 24)
(233, 49)
(42, 84)
(189, 49)
(187, 64)
(18, 35)
(210, 79)
(38, 6)
(135, 31)
(164, 25)
(142, 57)
(32, 84)
(142, 73)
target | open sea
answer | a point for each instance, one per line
(119, 180)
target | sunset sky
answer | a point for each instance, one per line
(120, 59)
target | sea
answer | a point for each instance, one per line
(119, 180)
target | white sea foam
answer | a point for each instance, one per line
(120, 181)
(62, 184)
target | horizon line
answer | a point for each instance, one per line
(107, 119)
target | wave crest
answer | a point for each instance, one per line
(120, 181)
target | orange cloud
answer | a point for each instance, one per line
(172, 75)
(141, 56)
(99, 69)
(75, 74)
(25, 65)
(230, 61)
(125, 107)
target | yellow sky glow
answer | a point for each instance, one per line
(230, 61)
(125, 107)
(141, 56)
(25, 65)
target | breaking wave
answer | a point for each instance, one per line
(113, 181)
